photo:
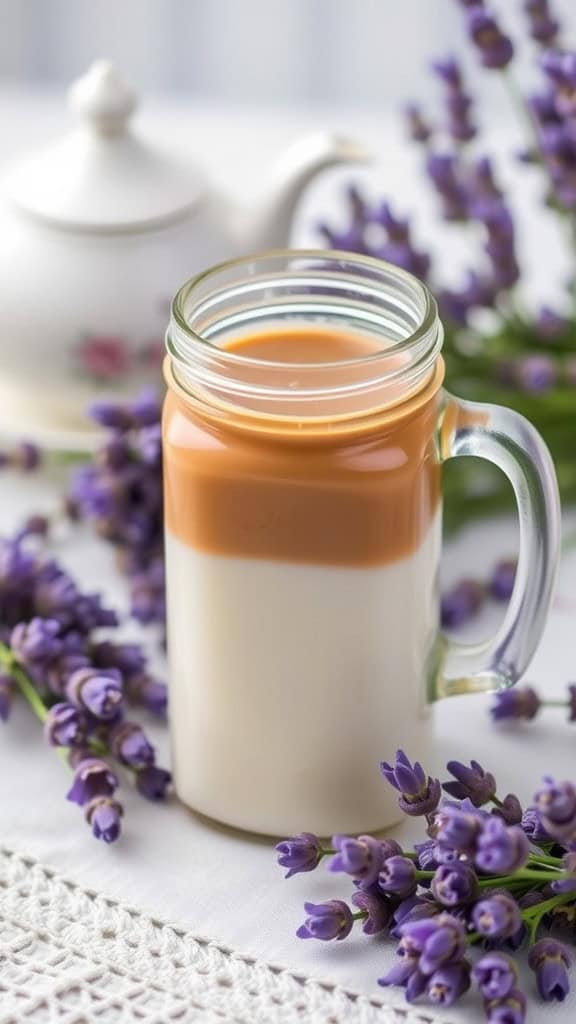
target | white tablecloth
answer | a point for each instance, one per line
(171, 864)
(213, 882)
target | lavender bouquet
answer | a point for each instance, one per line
(488, 877)
(527, 360)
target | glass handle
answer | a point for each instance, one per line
(508, 440)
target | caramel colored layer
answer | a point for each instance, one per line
(337, 499)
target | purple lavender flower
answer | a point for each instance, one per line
(518, 702)
(461, 603)
(495, 975)
(361, 858)
(26, 457)
(448, 983)
(457, 101)
(560, 68)
(419, 794)
(497, 916)
(435, 941)
(127, 658)
(36, 643)
(302, 852)
(427, 855)
(550, 961)
(407, 974)
(129, 744)
(418, 128)
(99, 691)
(152, 782)
(398, 876)
(415, 908)
(378, 908)
(510, 810)
(543, 27)
(501, 850)
(443, 171)
(502, 579)
(509, 1010)
(556, 805)
(536, 374)
(454, 885)
(458, 827)
(331, 920)
(7, 691)
(104, 815)
(550, 324)
(65, 726)
(148, 593)
(473, 782)
(92, 778)
(495, 49)
(533, 827)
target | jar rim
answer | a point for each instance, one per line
(186, 292)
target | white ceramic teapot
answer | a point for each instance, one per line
(96, 233)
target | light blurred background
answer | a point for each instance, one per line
(369, 53)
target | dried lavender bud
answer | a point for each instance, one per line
(543, 26)
(495, 49)
(104, 815)
(550, 960)
(518, 702)
(497, 916)
(495, 975)
(398, 876)
(419, 794)
(501, 850)
(65, 726)
(326, 921)
(473, 782)
(556, 805)
(378, 907)
(129, 745)
(361, 858)
(448, 983)
(93, 778)
(461, 603)
(98, 691)
(152, 782)
(454, 885)
(302, 852)
(502, 580)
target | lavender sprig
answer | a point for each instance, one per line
(75, 684)
(478, 882)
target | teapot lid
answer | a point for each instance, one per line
(101, 177)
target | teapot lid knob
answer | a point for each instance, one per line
(102, 98)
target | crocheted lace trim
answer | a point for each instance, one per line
(72, 956)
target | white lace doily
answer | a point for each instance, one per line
(72, 956)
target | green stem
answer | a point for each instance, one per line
(542, 858)
(524, 875)
(25, 685)
(422, 876)
(555, 703)
(360, 916)
(28, 691)
(496, 801)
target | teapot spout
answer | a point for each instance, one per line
(269, 226)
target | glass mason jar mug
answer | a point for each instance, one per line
(305, 428)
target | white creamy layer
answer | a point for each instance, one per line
(290, 683)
